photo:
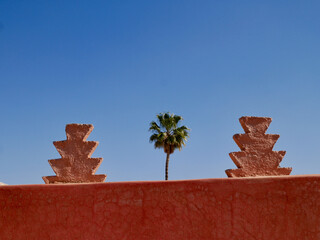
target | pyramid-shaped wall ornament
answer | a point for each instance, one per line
(256, 157)
(75, 164)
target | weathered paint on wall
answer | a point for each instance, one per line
(276, 208)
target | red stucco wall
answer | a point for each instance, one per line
(222, 209)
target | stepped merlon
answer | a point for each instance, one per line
(75, 164)
(256, 157)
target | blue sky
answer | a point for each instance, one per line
(116, 64)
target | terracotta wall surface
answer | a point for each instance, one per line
(223, 209)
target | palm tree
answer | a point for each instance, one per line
(167, 134)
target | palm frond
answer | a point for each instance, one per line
(160, 119)
(154, 127)
(177, 119)
(158, 144)
(153, 137)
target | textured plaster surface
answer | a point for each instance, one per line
(76, 164)
(264, 208)
(256, 157)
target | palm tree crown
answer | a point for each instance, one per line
(167, 134)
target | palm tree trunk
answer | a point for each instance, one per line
(167, 165)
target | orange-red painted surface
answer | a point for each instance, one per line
(270, 208)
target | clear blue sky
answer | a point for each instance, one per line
(116, 64)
